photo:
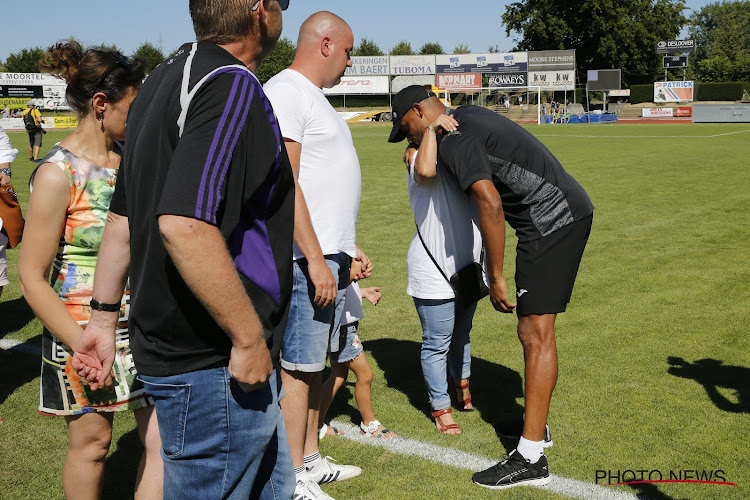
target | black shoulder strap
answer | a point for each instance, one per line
(430, 254)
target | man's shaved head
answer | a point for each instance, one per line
(323, 47)
(321, 24)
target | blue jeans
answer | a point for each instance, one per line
(445, 343)
(311, 331)
(220, 442)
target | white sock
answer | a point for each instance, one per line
(312, 461)
(300, 474)
(531, 450)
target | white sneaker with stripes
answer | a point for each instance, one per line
(307, 489)
(328, 472)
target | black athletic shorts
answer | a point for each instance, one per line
(35, 138)
(546, 268)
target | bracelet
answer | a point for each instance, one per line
(429, 127)
(6, 171)
(98, 306)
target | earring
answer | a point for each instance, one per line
(101, 117)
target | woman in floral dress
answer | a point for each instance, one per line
(71, 193)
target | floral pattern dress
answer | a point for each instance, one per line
(61, 390)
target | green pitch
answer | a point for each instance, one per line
(654, 354)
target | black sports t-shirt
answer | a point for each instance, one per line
(538, 195)
(228, 168)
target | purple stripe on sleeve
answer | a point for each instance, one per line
(225, 154)
(211, 152)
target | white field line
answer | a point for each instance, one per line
(462, 460)
(591, 136)
(18, 346)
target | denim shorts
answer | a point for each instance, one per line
(349, 344)
(311, 331)
(220, 442)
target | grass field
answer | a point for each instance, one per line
(654, 351)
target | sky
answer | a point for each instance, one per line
(166, 23)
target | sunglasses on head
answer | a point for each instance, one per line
(121, 61)
(284, 4)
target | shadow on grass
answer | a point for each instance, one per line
(712, 374)
(647, 491)
(121, 467)
(14, 315)
(18, 367)
(494, 387)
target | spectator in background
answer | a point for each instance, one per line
(6, 112)
(328, 177)
(35, 135)
(72, 190)
(205, 208)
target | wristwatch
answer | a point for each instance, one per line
(6, 171)
(98, 306)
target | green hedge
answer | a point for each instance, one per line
(729, 91)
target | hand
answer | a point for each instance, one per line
(354, 269)
(445, 122)
(372, 294)
(409, 153)
(499, 296)
(251, 366)
(4, 179)
(324, 282)
(366, 270)
(94, 355)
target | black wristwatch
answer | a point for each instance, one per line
(98, 306)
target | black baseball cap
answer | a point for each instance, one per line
(402, 103)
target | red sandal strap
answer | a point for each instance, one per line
(439, 413)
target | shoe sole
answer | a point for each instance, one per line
(540, 481)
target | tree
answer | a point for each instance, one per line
(461, 48)
(150, 54)
(604, 33)
(431, 48)
(493, 49)
(722, 35)
(26, 61)
(402, 48)
(281, 57)
(367, 48)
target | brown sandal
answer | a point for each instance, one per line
(441, 426)
(464, 403)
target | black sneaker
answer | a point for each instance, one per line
(514, 471)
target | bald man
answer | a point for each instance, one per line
(327, 173)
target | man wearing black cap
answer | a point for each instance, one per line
(510, 174)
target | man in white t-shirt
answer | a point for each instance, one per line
(328, 177)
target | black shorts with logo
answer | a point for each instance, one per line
(546, 268)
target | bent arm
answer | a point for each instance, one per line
(45, 221)
(304, 235)
(228, 303)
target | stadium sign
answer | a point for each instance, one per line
(360, 85)
(550, 60)
(29, 79)
(657, 112)
(553, 80)
(675, 46)
(498, 80)
(26, 91)
(499, 62)
(368, 66)
(461, 81)
(673, 91)
(412, 65)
